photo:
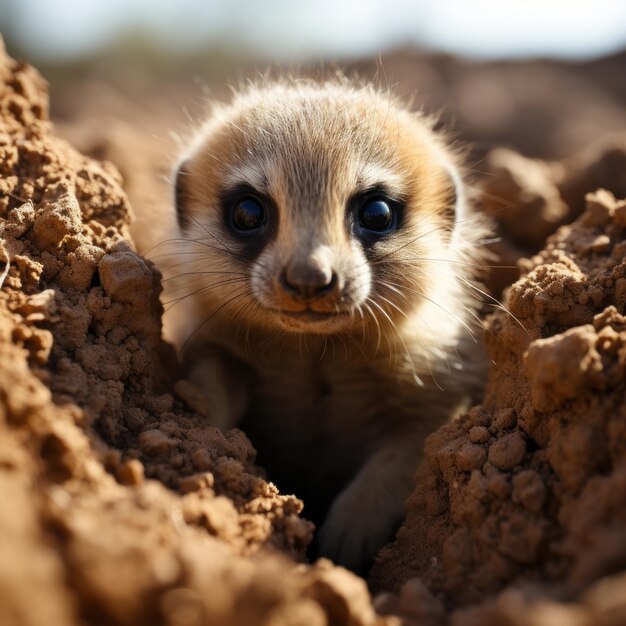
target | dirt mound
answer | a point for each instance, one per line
(529, 488)
(528, 199)
(87, 415)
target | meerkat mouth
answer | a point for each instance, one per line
(308, 319)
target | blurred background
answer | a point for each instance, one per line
(128, 78)
(512, 72)
(308, 30)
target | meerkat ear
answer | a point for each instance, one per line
(181, 199)
(456, 208)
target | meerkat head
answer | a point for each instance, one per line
(308, 206)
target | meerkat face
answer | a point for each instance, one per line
(316, 209)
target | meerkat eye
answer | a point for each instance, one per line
(247, 215)
(376, 215)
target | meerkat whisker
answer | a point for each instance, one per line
(204, 273)
(205, 287)
(208, 319)
(496, 303)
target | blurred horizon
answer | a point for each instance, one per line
(64, 31)
(542, 76)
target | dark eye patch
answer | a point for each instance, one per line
(250, 218)
(375, 213)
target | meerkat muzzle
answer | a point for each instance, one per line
(309, 281)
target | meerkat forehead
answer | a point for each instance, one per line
(304, 143)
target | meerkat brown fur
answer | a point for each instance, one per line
(324, 268)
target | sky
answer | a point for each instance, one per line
(300, 30)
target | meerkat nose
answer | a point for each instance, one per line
(309, 278)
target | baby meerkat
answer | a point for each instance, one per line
(324, 265)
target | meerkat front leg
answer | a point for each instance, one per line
(366, 513)
(223, 382)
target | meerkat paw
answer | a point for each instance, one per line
(355, 530)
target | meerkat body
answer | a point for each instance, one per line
(323, 268)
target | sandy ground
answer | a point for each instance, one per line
(121, 506)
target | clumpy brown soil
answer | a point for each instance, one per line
(529, 487)
(528, 199)
(86, 418)
(527, 490)
(121, 506)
